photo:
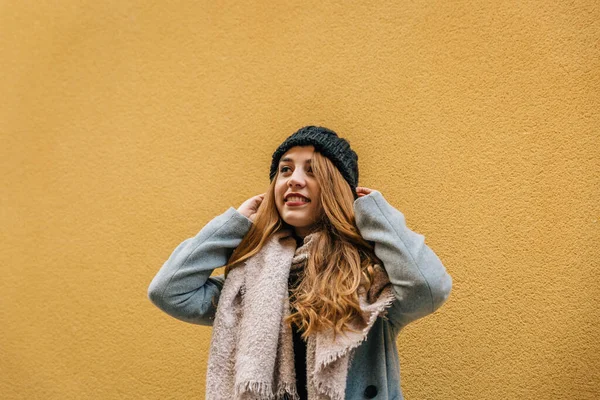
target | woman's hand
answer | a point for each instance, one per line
(250, 206)
(363, 191)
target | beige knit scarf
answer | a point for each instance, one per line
(251, 350)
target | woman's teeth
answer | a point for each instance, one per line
(296, 199)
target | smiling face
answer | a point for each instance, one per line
(295, 176)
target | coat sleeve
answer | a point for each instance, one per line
(419, 280)
(183, 287)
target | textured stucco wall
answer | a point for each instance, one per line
(125, 126)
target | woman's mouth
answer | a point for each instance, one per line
(296, 201)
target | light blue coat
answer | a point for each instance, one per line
(184, 289)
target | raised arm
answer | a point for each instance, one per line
(419, 280)
(183, 287)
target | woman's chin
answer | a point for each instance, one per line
(296, 222)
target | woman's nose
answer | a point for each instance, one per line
(297, 179)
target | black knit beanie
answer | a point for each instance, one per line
(326, 142)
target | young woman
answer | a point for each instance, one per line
(320, 277)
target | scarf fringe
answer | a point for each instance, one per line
(288, 392)
(265, 390)
(387, 300)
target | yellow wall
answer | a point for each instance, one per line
(126, 126)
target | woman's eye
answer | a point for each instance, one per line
(282, 170)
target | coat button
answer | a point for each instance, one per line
(370, 391)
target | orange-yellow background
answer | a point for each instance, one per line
(125, 126)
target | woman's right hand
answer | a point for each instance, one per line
(250, 206)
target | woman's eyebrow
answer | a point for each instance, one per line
(289, 159)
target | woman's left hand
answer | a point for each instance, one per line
(363, 191)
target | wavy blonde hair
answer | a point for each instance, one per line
(326, 297)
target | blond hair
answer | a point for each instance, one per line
(327, 295)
